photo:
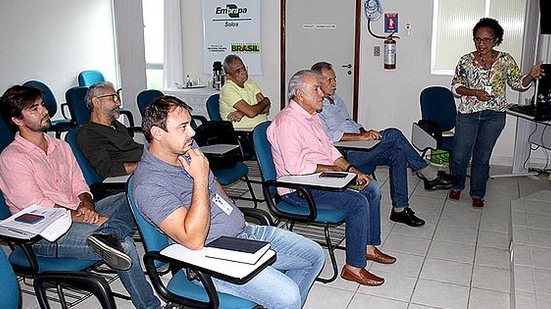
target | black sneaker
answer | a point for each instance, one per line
(406, 216)
(110, 250)
(443, 181)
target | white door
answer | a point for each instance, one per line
(322, 30)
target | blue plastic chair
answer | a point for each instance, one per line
(77, 105)
(179, 289)
(213, 107)
(6, 134)
(438, 112)
(146, 97)
(283, 210)
(90, 174)
(60, 125)
(90, 77)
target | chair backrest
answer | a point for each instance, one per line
(263, 150)
(90, 77)
(6, 134)
(438, 106)
(47, 95)
(74, 96)
(153, 239)
(146, 97)
(90, 174)
(213, 107)
(8, 282)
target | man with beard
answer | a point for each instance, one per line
(104, 141)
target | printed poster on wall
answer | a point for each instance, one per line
(232, 27)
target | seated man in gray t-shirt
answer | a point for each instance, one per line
(175, 190)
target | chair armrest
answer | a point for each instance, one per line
(129, 116)
(257, 216)
(421, 139)
(313, 211)
(161, 289)
(63, 107)
(80, 280)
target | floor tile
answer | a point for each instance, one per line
(541, 238)
(525, 300)
(492, 257)
(396, 287)
(425, 231)
(522, 255)
(456, 233)
(440, 294)
(524, 279)
(486, 299)
(447, 271)
(370, 301)
(317, 299)
(541, 257)
(451, 251)
(491, 278)
(543, 301)
(493, 239)
(406, 244)
(543, 281)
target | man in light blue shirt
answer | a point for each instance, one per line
(394, 150)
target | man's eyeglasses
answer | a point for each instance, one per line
(114, 96)
(486, 41)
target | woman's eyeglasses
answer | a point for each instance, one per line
(486, 41)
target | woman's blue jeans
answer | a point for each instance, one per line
(73, 245)
(363, 219)
(475, 136)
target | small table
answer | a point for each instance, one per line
(218, 149)
(234, 272)
(314, 181)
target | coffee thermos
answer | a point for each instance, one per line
(218, 76)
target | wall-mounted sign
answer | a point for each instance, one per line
(232, 27)
(391, 22)
(319, 26)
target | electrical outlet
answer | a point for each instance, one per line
(376, 51)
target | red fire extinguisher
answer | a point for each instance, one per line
(390, 53)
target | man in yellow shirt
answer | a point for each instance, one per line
(241, 101)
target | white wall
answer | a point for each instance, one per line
(54, 40)
(386, 98)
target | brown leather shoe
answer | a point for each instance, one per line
(364, 277)
(380, 257)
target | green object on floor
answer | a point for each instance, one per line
(439, 157)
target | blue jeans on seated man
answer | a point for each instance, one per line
(362, 211)
(286, 283)
(396, 152)
(475, 135)
(73, 245)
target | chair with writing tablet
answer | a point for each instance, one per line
(93, 283)
(146, 97)
(435, 128)
(282, 210)
(47, 272)
(179, 289)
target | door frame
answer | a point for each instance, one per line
(356, 65)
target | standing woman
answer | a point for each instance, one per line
(479, 81)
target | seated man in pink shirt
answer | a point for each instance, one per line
(38, 169)
(300, 146)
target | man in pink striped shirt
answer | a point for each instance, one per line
(38, 169)
(301, 146)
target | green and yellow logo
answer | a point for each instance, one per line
(245, 48)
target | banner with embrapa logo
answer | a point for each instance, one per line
(232, 27)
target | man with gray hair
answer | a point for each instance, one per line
(105, 141)
(300, 147)
(241, 101)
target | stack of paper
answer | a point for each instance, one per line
(50, 223)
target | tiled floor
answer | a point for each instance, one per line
(459, 259)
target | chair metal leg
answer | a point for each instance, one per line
(331, 249)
